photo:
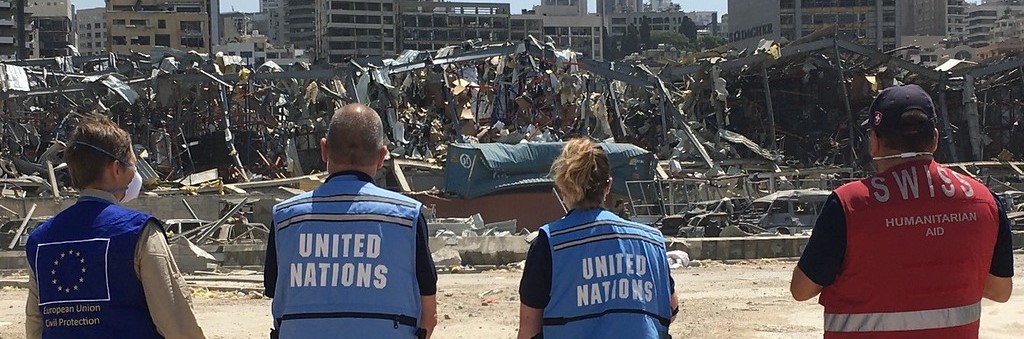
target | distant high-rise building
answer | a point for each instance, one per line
(92, 29)
(138, 25)
(302, 21)
(577, 7)
(941, 18)
(347, 29)
(706, 21)
(276, 27)
(235, 25)
(9, 30)
(606, 7)
(871, 23)
(52, 32)
(982, 21)
(434, 25)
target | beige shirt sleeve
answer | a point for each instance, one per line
(170, 301)
(33, 319)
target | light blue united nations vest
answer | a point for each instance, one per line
(84, 262)
(610, 278)
(347, 263)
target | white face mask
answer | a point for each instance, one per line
(134, 188)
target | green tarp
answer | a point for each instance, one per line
(475, 170)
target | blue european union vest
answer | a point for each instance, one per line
(346, 257)
(84, 263)
(610, 278)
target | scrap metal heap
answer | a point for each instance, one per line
(720, 112)
(801, 105)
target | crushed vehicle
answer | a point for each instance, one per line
(791, 211)
(718, 224)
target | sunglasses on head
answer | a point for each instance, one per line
(111, 155)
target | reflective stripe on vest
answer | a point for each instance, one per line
(903, 321)
(345, 217)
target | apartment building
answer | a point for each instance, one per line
(8, 30)
(661, 21)
(276, 27)
(255, 50)
(982, 21)
(565, 26)
(434, 25)
(92, 29)
(51, 29)
(138, 25)
(235, 25)
(302, 21)
(946, 18)
(526, 25)
(1009, 27)
(607, 7)
(350, 29)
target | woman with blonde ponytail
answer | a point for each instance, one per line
(612, 275)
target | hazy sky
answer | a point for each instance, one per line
(253, 5)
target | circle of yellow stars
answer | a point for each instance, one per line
(56, 262)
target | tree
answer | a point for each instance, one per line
(645, 33)
(672, 39)
(710, 41)
(688, 28)
(631, 42)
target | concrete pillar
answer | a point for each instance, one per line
(945, 129)
(970, 101)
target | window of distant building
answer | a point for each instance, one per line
(141, 40)
(120, 40)
(161, 23)
(162, 40)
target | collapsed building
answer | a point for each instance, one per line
(745, 122)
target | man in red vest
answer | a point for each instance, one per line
(911, 251)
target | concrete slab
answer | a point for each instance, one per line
(485, 250)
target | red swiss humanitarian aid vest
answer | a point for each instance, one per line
(920, 240)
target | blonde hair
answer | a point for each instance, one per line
(581, 172)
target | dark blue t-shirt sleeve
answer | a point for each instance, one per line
(270, 265)
(535, 286)
(1002, 259)
(823, 256)
(426, 274)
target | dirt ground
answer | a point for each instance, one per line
(742, 300)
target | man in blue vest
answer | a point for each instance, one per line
(97, 266)
(350, 259)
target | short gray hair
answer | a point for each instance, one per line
(355, 135)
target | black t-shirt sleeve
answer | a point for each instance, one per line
(426, 274)
(1002, 259)
(823, 255)
(535, 286)
(270, 265)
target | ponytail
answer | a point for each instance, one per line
(581, 172)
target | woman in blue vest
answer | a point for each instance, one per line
(97, 267)
(612, 275)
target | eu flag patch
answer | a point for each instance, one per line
(72, 271)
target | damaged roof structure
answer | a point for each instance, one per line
(801, 105)
(721, 112)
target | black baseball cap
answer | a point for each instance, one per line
(891, 103)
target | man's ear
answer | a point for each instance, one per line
(874, 146)
(935, 141)
(324, 153)
(381, 155)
